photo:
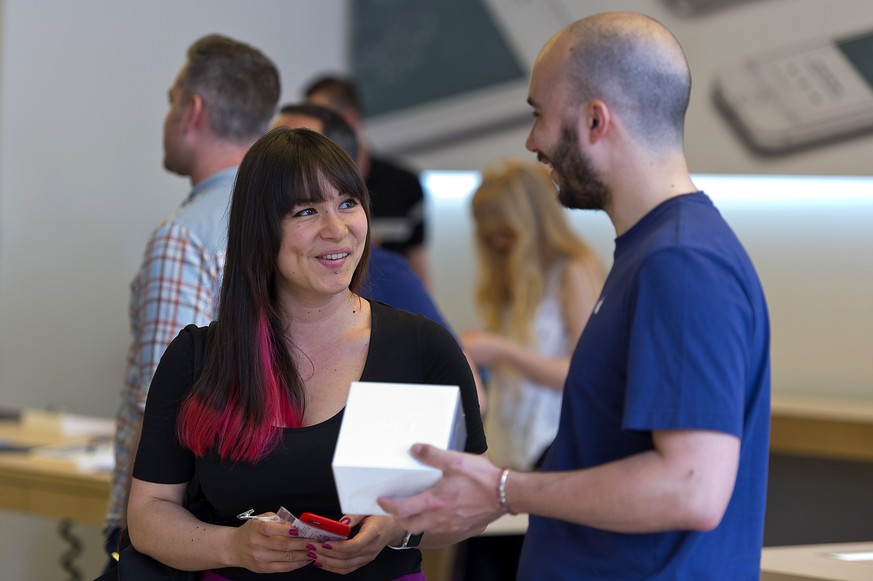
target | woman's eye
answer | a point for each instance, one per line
(350, 203)
(304, 212)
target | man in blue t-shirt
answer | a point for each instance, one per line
(659, 468)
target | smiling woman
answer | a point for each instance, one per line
(258, 426)
(322, 243)
(285, 217)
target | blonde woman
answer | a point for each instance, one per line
(537, 284)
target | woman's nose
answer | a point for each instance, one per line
(333, 226)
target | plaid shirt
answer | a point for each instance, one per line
(177, 284)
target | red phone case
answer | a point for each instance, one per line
(326, 524)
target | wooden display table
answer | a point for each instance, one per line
(842, 562)
(46, 486)
(822, 427)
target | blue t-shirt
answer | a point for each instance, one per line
(679, 339)
(392, 281)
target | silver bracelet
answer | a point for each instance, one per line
(501, 491)
(410, 541)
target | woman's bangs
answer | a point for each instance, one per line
(309, 181)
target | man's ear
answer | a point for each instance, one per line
(596, 120)
(195, 113)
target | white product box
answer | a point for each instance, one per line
(381, 422)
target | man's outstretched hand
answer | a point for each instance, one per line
(463, 501)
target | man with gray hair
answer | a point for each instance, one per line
(221, 102)
(659, 467)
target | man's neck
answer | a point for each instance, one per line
(216, 158)
(637, 193)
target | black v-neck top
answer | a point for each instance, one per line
(403, 348)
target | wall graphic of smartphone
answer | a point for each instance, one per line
(335, 529)
(800, 94)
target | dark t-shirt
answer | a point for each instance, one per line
(397, 206)
(403, 348)
(679, 340)
(392, 281)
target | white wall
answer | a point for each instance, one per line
(83, 94)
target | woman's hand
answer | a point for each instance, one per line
(375, 534)
(484, 348)
(270, 547)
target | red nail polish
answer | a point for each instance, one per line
(346, 520)
(293, 532)
(311, 555)
(311, 547)
(317, 564)
(326, 546)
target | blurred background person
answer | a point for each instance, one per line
(537, 284)
(396, 195)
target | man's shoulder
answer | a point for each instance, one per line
(203, 218)
(209, 205)
(683, 222)
(385, 261)
(391, 280)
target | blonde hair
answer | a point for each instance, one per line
(519, 196)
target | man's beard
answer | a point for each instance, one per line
(580, 187)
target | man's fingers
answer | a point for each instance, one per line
(402, 508)
(412, 521)
(433, 456)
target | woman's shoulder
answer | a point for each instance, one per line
(189, 346)
(584, 268)
(195, 337)
(392, 320)
(180, 364)
(386, 313)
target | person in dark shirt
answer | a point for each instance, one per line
(251, 406)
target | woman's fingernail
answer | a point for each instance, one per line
(311, 555)
(293, 532)
(311, 547)
(317, 564)
(346, 520)
(326, 546)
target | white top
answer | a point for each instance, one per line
(523, 416)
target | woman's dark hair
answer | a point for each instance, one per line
(249, 382)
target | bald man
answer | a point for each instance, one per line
(659, 468)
